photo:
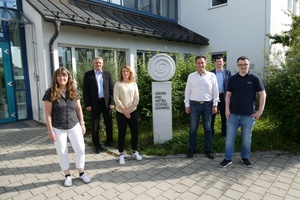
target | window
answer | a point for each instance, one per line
(168, 8)
(293, 6)
(65, 57)
(130, 4)
(8, 3)
(145, 6)
(113, 59)
(163, 8)
(290, 5)
(84, 56)
(18, 70)
(218, 2)
(143, 57)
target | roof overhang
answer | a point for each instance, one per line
(95, 15)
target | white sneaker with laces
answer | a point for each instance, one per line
(68, 181)
(121, 159)
(137, 156)
(85, 178)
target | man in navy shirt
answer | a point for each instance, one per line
(240, 110)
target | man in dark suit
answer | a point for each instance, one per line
(98, 97)
(222, 77)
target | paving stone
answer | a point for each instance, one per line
(30, 170)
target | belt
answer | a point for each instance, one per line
(201, 102)
(101, 99)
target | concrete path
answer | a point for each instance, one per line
(29, 170)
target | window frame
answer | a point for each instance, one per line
(218, 3)
(156, 7)
(115, 58)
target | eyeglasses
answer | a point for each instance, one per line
(243, 65)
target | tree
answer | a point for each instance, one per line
(283, 83)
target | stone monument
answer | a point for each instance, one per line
(161, 68)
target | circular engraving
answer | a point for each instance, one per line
(161, 67)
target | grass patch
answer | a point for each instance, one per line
(265, 138)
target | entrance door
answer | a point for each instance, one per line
(7, 97)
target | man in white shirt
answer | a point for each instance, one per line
(201, 98)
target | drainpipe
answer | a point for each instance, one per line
(51, 48)
(36, 71)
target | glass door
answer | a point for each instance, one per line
(7, 97)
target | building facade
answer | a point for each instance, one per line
(237, 28)
(38, 36)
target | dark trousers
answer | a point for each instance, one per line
(221, 108)
(107, 116)
(122, 122)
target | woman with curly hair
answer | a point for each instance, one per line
(64, 119)
(126, 96)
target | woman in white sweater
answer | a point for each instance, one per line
(126, 97)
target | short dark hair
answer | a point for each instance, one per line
(242, 58)
(219, 57)
(197, 57)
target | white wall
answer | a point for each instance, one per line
(239, 27)
(36, 60)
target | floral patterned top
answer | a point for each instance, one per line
(63, 114)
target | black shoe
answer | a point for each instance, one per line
(225, 163)
(190, 153)
(98, 149)
(246, 162)
(109, 144)
(210, 154)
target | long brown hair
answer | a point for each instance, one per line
(70, 86)
(131, 76)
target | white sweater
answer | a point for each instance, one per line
(126, 94)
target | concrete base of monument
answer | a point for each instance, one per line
(162, 111)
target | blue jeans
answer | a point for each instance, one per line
(246, 123)
(197, 110)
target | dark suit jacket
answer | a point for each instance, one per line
(226, 76)
(90, 89)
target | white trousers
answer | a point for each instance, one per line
(76, 139)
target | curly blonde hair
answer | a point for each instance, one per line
(70, 86)
(131, 76)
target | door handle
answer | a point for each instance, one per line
(10, 83)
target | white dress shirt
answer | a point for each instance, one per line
(99, 79)
(202, 87)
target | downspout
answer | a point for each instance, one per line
(51, 48)
(36, 71)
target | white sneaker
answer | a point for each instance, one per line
(85, 178)
(68, 181)
(137, 155)
(121, 159)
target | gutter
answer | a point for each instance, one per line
(51, 48)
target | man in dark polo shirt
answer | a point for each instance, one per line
(240, 110)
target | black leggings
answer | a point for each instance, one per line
(122, 122)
